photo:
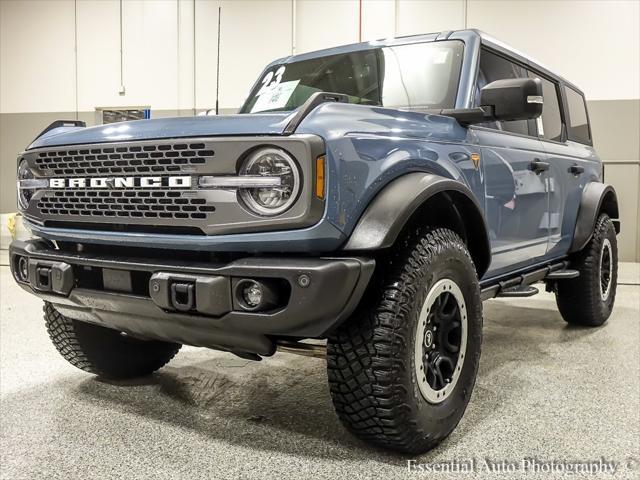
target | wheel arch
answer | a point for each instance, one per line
(596, 198)
(423, 198)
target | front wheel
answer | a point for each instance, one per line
(588, 299)
(402, 369)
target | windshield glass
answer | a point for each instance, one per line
(418, 76)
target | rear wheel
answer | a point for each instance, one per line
(103, 351)
(402, 369)
(588, 299)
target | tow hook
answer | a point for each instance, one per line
(182, 296)
(205, 294)
(43, 279)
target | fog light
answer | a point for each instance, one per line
(256, 295)
(23, 269)
(252, 294)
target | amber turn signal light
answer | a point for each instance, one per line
(320, 177)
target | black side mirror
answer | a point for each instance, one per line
(512, 99)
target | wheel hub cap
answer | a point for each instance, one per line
(606, 269)
(441, 341)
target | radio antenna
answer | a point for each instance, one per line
(218, 64)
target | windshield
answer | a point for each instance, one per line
(418, 76)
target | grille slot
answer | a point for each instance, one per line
(125, 159)
(143, 204)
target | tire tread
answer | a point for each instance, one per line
(80, 344)
(364, 368)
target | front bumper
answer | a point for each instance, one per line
(135, 295)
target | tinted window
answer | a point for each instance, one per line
(578, 127)
(494, 67)
(419, 76)
(551, 120)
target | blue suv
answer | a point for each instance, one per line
(370, 196)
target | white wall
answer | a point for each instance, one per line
(430, 16)
(37, 53)
(325, 23)
(253, 34)
(38, 71)
(39, 61)
(595, 44)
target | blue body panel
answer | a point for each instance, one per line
(531, 218)
(202, 126)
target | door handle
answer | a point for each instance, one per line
(537, 166)
(576, 169)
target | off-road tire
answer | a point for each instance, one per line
(579, 299)
(370, 358)
(103, 351)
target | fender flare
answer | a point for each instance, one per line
(596, 197)
(388, 213)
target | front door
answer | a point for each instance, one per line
(516, 199)
(515, 169)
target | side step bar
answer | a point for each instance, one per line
(521, 291)
(563, 275)
(517, 286)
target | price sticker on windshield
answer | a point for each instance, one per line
(274, 97)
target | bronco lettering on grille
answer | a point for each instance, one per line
(121, 182)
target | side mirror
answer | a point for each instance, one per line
(512, 99)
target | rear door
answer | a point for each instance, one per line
(516, 178)
(573, 161)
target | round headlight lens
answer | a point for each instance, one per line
(271, 162)
(24, 194)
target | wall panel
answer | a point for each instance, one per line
(325, 23)
(427, 16)
(249, 42)
(595, 44)
(37, 50)
(98, 54)
(150, 52)
(378, 19)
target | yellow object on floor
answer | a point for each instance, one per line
(12, 225)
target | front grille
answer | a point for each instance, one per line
(123, 159)
(127, 204)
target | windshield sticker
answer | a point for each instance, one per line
(275, 97)
(267, 84)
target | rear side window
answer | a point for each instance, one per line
(578, 125)
(494, 67)
(551, 119)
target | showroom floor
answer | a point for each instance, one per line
(544, 390)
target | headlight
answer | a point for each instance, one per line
(271, 162)
(24, 192)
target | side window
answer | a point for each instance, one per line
(494, 67)
(578, 127)
(551, 119)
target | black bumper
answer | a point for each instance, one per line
(138, 295)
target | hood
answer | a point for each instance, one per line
(205, 126)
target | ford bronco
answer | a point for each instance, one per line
(371, 196)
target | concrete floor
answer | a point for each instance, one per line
(544, 390)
